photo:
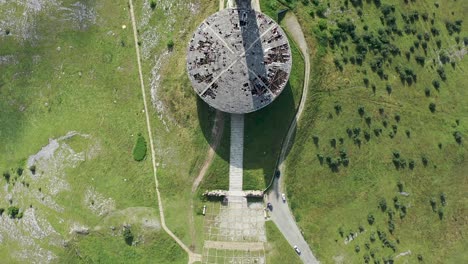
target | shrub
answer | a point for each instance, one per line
(383, 204)
(357, 248)
(432, 107)
(13, 211)
(361, 110)
(19, 171)
(170, 45)
(427, 92)
(1, 211)
(341, 231)
(400, 186)
(337, 109)
(391, 226)
(153, 5)
(7, 176)
(33, 169)
(128, 236)
(368, 120)
(315, 138)
(440, 212)
(370, 219)
(366, 258)
(424, 160)
(443, 199)
(433, 203)
(139, 151)
(458, 137)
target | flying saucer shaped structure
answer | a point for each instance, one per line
(239, 60)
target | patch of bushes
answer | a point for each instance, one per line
(139, 151)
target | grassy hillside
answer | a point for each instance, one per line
(71, 66)
(181, 124)
(383, 139)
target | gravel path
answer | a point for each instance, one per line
(192, 256)
(281, 214)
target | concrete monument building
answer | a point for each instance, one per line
(239, 60)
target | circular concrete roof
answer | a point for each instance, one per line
(239, 60)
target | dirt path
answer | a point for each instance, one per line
(192, 256)
(216, 134)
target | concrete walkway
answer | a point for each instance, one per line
(237, 153)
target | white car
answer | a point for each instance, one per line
(283, 196)
(298, 251)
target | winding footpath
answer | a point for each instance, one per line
(192, 256)
(281, 214)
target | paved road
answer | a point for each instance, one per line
(281, 214)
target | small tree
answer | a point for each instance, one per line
(341, 231)
(315, 138)
(443, 199)
(33, 169)
(13, 211)
(408, 133)
(361, 110)
(153, 4)
(170, 45)
(432, 107)
(370, 219)
(389, 89)
(441, 213)
(400, 186)
(383, 204)
(433, 203)
(425, 161)
(458, 137)
(427, 92)
(128, 236)
(7, 176)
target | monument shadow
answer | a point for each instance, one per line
(265, 129)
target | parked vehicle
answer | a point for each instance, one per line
(270, 206)
(277, 173)
(283, 196)
(298, 251)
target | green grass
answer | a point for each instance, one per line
(278, 249)
(266, 128)
(139, 151)
(158, 248)
(323, 200)
(182, 130)
(89, 85)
